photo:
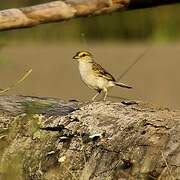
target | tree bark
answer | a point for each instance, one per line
(46, 138)
(68, 9)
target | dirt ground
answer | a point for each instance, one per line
(155, 77)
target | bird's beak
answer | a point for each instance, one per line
(75, 57)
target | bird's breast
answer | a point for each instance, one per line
(91, 78)
(87, 74)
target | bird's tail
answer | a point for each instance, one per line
(122, 85)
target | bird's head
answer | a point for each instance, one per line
(83, 56)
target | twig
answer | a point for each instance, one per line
(133, 64)
(167, 165)
(17, 82)
(163, 171)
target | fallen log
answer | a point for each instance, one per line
(47, 138)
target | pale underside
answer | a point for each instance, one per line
(95, 77)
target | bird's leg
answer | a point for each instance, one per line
(94, 97)
(105, 94)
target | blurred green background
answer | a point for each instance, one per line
(116, 40)
(154, 24)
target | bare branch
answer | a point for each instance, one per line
(67, 9)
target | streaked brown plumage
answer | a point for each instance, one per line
(102, 72)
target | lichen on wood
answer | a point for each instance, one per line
(46, 138)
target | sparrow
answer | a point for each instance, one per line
(94, 75)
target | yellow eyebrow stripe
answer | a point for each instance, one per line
(83, 53)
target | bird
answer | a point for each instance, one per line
(94, 75)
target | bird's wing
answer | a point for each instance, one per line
(101, 72)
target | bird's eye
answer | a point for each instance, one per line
(83, 55)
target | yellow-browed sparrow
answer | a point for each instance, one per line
(94, 75)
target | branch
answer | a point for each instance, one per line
(68, 9)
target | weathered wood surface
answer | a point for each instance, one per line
(46, 138)
(68, 9)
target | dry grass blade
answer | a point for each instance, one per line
(17, 82)
(167, 166)
(131, 66)
(162, 173)
(84, 40)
